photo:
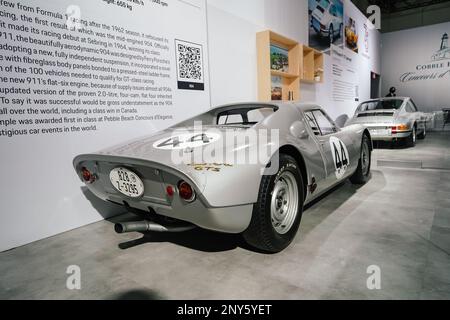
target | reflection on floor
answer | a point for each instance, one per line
(399, 221)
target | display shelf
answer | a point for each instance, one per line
(311, 66)
(273, 83)
(283, 74)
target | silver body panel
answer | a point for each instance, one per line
(380, 122)
(225, 198)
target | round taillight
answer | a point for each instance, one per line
(88, 177)
(185, 191)
(169, 190)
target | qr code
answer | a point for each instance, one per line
(189, 65)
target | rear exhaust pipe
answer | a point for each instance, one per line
(143, 226)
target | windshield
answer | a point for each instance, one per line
(380, 105)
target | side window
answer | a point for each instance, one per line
(257, 115)
(325, 126)
(333, 10)
(312, 123)
(409, 108)
(230, 119)
(413, 106)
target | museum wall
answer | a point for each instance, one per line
(232, 28)
(111, 77)
(417, 66)
(348, 71)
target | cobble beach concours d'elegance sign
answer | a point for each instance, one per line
(438, 69)
(418, 60)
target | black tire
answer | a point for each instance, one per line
(340, 31)
(362, 173)
(262, 233)
(423, 134)
(411, 140)
(331, 33)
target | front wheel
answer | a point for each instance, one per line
(423, 134)
(362, 173)
(411, 140)
(277, 214)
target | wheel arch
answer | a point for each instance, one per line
(296, 154)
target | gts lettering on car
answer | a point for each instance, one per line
(340, 156)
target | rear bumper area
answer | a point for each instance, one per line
(156, 178)
(391, 137)
(233, 219)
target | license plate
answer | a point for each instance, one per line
(379, 132)
(126, 182)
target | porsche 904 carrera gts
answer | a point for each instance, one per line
(244, 168)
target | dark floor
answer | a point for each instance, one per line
(399, 221)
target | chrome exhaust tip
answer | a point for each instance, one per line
(143, 226)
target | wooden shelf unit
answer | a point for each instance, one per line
(290, 80)
(311, 65)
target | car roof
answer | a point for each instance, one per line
(304, 106)
(387, 98)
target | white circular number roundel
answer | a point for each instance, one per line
(340, 156)
(188, 140)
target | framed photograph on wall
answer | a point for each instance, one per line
(279, 58)
(277, 88)
(351, 34)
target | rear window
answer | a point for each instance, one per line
(380, 105)
(244, 116)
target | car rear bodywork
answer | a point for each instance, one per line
(390, 124)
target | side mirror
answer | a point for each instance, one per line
(298, 130)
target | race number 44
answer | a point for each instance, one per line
(340, 156)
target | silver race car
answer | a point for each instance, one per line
(242, 168)
(392, 119)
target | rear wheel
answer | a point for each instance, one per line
(362, 173)
(277, 214)
(411, 140)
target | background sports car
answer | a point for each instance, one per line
(392, 119)
(260, 197)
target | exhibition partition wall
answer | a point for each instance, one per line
(417, 63)
(77, 76)
(348, 67)
(82, 75)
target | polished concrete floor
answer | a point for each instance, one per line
(399, 222)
